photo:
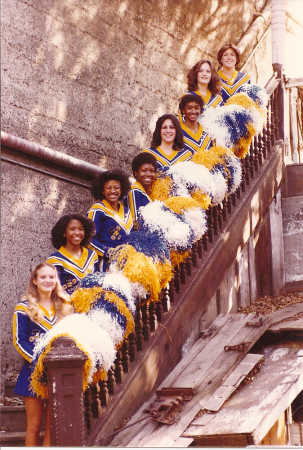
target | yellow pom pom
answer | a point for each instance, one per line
(83, 298)
(137, 268)
(161, 189)
(165, 272)
(241, 99)
(123, 309)
(207, 158)
(242, 147)
(203, 199)
(177, 257)
(179, 204)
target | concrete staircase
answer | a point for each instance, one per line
(13, 419)
(292, 210)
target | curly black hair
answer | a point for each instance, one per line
(156, 140)
(190, 98)
(143, 158)
(58, 231)
(215, 82)
(97, 187)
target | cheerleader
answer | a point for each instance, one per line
(144, 167)
(195, 138)
(167, 144)
(113, 221)
(70, 236)
(232, 81)
(43, 304)
(205, 82)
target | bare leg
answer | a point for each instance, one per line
(34, 414)
(46, 440)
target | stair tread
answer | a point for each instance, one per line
(14, 435)
(11, 408)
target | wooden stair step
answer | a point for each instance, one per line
(15, 438)
(13, 418)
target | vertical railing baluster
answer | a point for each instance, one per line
(104, 395)
(153, 317)
(88, 415)
(139, 329)
(111, 380)
(194, 254)
(96, 403)
(132, 346)
(177, 280)
(119, 374)
(146, 325)
(125, 356)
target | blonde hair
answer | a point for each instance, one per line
(60, 299)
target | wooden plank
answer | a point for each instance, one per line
(289, 318)
(183, 442)
(255, 408)
(204, 371)
(231, 383)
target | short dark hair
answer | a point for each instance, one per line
(215, 82)
(143, 158)
(58, 231)
(97, 187)
(225, 47)
(156, 140)
(190, 98)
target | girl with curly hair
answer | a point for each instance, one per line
(232, 81)
(113, 221)
(205, 82)
(43, 304)
(70, 236)
(144, 167)
(167, 144)
(195, 138)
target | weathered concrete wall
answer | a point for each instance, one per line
(89, 78)
(31, 205)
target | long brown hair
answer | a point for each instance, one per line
(215, 82)
(60, 299)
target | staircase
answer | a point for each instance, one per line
(292, 210)
(13, 419)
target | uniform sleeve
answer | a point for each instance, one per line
(95, 244)
(21, 323)
(136, 199)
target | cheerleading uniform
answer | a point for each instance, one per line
(234, 85)
(70, 269)
(25, 334)
(209, 99)
(164, 161)
(136, 198)
(111, 226)
(196, 141)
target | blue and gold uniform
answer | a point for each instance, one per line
(70, 269)
(164, 161)
(209, 99)
(196, 141)
(25, 334)
(111, 227)
(136, 197)
(234, 85)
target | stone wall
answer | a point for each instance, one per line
(89, 78)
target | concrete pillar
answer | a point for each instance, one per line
(278, 29)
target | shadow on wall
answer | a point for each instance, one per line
(91, 78)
